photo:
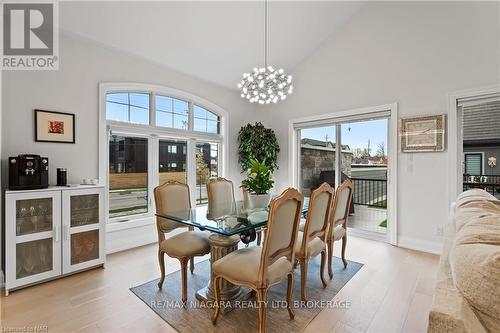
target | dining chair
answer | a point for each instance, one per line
(173, 196)
(260, 267)
(221, 199)
(247, 205)
(312, 240)
(220, 196)
(338, 222)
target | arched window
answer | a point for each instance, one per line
(154, 134)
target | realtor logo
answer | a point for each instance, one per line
(29, 38)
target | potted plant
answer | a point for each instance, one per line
(257, 184)
(256, 141)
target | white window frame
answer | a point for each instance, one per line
(455, 136)
(154, 134)
(389, 111)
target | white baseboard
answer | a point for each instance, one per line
(375, 236)
(420, 245)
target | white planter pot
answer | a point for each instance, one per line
(258, 200)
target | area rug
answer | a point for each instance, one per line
(196, 317)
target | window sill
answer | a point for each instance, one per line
(135, 222)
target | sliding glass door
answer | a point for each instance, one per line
(359, 149)
(317, 158)
(365, 162)
(480, 123)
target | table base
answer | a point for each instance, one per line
(220, 246)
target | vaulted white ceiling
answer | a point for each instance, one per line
(215, 41)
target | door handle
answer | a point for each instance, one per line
(66, 232)
(56, 233)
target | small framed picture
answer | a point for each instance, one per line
(423, 134)
(51, 126)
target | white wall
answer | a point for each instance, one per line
(74, 89)
(409, 53)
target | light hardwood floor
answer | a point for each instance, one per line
(391, 293)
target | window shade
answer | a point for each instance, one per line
(473, 164)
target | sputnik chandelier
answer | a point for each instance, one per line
(265, 84)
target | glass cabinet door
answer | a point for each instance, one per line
(84, 246)
(34, 257)
(33, 248)
(33, 216)
(84, 209)
(83, 225)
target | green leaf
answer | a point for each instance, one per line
(259, 143)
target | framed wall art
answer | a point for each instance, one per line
(423, 134)
(51, 126)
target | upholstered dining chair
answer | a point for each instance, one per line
(173, 196)
(311, 241)
(247, 205)
(338, 222)
(260, 267)
(220, 197)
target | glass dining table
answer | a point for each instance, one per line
(226, 222)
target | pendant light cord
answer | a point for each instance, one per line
(265, 33)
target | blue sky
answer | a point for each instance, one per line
(170, 112)
(356, 137)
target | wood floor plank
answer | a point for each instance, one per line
(418, 314)
(93, 328)
(390, 316)
(328, 318)
(344, 328)
(392, 292)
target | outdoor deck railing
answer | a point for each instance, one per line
(370, 192)
(489, 183)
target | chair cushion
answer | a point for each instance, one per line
(314, 247)
(186, 244)
(338, 232)
(475, 267)
(473, 210)
(242, 266)
(473, 195)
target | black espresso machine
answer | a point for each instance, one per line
(28, 172)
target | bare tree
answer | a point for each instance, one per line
(381, 150)
(358, 153)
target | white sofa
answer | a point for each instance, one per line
(467, 293)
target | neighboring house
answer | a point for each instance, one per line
(317, 156)
(481, 140)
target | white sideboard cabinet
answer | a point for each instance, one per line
(52, 232)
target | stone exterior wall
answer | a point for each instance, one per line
(313, 161)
